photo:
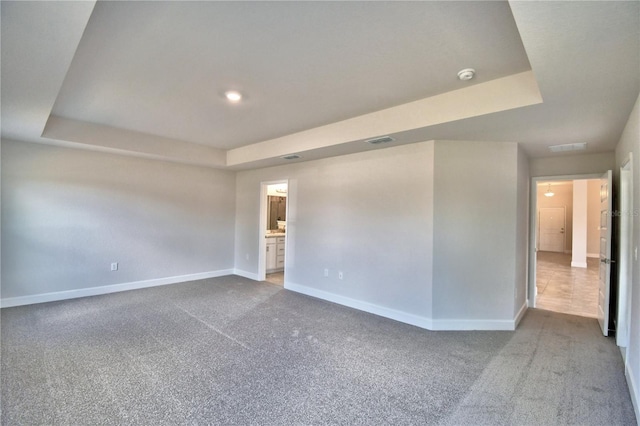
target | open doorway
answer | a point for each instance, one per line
(567, 246)
(274, 230)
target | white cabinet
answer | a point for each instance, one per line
(280, 253)
(272, 254)
(275, 254)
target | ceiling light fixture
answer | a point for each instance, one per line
(233, 96)
(466, 74)
(549, 192)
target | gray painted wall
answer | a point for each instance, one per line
(437, 229)
(433, 230)
(475, 227)
(630, 142)
(569, 164)
(67, 214)
(368, 215)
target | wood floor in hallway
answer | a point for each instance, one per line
(276, 278)
(562, 288)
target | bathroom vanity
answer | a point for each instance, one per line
(275, 252)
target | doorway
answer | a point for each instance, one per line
(273, 235)
(555, 284)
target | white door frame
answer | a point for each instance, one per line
(262, 243)
(625, 265)
(533, 226)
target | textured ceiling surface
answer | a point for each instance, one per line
(160, 68)
(151, 75)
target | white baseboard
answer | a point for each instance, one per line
(471, 325)
(633, 389)
(246, 274)
(592, 255)
(405, 317)
(575, 264)
(382, 311)
(520, 314)
(113, 288)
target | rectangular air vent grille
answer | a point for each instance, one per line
(291, 157)
(568, 147)
(382, 139)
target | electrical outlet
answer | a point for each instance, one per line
(114, 266)
(326, 272)
(340, 275)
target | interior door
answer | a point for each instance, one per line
(605, 252)
(625, 258)
(551, 228)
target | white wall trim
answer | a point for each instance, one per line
(575, 264)
(407, 318)
(596, 255)
(473, 324)
(250, 275)
(520, 314)
(533, 223)
(633, 390)
(113, 288)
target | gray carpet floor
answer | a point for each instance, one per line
(230, 351)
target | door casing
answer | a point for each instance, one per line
(262, 243)
(533, 226)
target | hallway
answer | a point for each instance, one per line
(276, 278)
(564, 289)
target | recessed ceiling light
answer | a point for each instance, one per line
(466, 74)
(233, 96)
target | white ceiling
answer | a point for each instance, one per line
(146, 78)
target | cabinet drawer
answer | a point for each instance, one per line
(280, 262)
(280, 250)
(280, 240)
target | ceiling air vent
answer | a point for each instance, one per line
(291, 157)
(568, 147)
(382, 139)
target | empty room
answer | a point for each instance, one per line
(291, 213)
